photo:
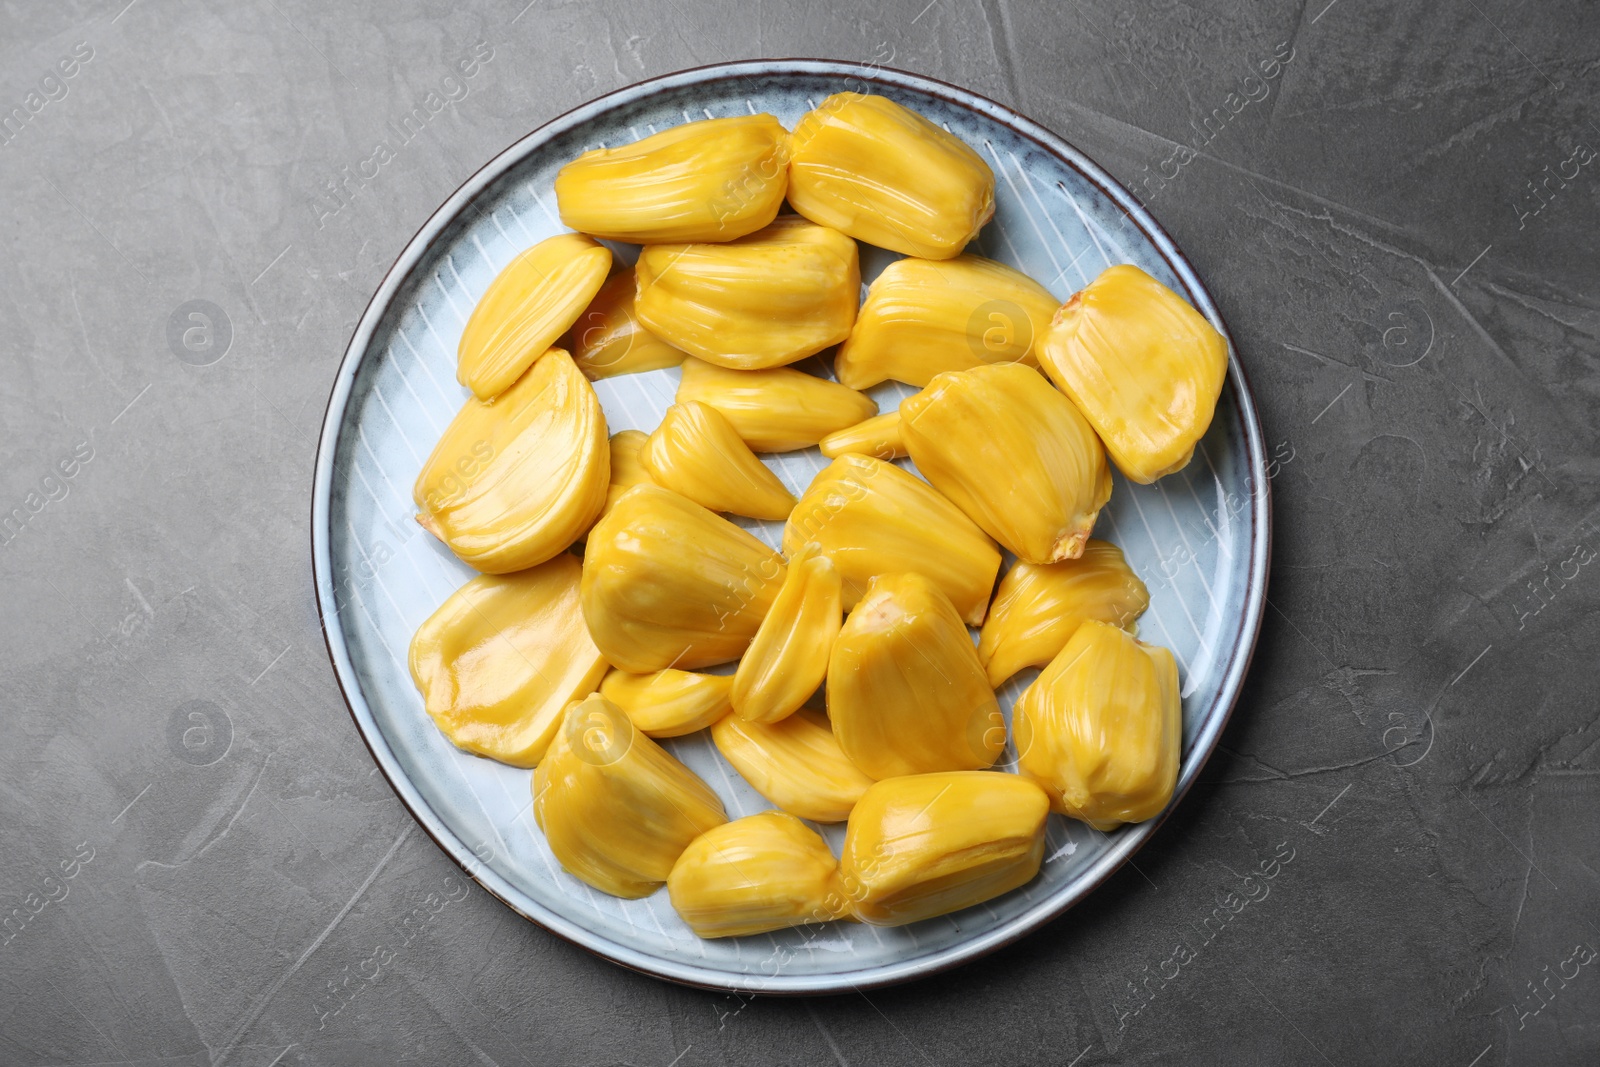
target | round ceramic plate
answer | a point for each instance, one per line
(1199, 538)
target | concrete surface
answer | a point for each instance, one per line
(200, 864)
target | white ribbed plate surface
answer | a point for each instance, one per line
(1200, 539)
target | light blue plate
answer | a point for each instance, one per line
(1200, 538)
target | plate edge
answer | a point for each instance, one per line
(624, 955)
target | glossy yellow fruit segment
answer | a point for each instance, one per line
(872, 518)
(878, 437)
(616, 808)
(1012, 453)
(667, 583)
(670, 703)
(703, 181)
(796, 763)
(775, 410)
(501, 659)
(1038, 607)
(906, 693)
(1143, 366)
(923, 317)
(788, 659)
(1101, 729)
(753, 875)
(526, 308)
(780, 294)
(931, 844)
(885, 175)
(608, 339)
(626, 470)
(697, 452)
(517, 479)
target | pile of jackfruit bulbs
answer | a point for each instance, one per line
(610, 580)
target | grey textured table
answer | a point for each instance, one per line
(1395, 206)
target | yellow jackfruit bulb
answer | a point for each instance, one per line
(697, 452)
(527, 307)
(778, 409)
(797, 764)
(1101, 729)
(777, 295)
(616, 808)
(667, 583)
(753, 875)
(608, 339)
(1038, 607)
(515, 480)
(906, 693)
(923, 317)
(502, 658)
(703, 181)
(788, 659)
(1143, 366)
(931, 844)
(1012, 453)
(669, 703)
(626, 470)
(871, 518)
(878, 436)
(885, 175)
